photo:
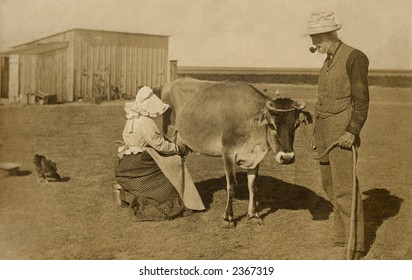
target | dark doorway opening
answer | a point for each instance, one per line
(4, 77)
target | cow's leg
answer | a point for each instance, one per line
(231, 184)
(169, 125)
(167, 121)
(252, 187)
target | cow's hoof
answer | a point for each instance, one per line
(256, 218)
(229, 222)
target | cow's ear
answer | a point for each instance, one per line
(305, 118)
(261, 119)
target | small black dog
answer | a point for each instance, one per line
(46, 169)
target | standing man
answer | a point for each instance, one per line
(340, 113)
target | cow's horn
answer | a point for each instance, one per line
(299, 105)
(270, 107)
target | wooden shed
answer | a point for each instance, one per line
(83, 63)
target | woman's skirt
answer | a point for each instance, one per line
(149, 193)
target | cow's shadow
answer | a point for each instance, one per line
(379, 205)
(273, 194)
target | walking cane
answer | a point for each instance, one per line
(351, 250)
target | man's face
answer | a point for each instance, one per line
(321, 42)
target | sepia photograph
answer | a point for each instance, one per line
(206, 130)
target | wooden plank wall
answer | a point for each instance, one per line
(27, 67)
(4, 77)
(94, 58)
(50, 72)
(125, 60)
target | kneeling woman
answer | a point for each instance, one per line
(153, 178)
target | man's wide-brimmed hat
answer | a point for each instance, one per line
(322, 22)
(146, 104)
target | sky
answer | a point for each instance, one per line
(231, 33)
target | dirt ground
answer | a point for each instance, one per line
(75, 218)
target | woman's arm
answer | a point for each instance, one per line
(152, 136)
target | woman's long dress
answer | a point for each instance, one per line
(149, 193)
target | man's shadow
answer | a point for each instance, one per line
(272, 193)
(378, 206)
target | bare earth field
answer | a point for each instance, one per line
(75, 218)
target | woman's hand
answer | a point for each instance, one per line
(183, 150)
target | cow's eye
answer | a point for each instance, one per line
(271, 126)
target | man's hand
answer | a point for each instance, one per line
(347, 140)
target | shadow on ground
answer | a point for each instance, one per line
(63, 179)
(17, 173)
(272, 193)
(22, 173)
(378, 206)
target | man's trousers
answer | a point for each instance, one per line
(337, 178)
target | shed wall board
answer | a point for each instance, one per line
(93, 60)
(14, 78)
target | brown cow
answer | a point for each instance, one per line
(233, 120)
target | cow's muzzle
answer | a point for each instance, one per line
(285, 158)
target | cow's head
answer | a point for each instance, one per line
(282, 117)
